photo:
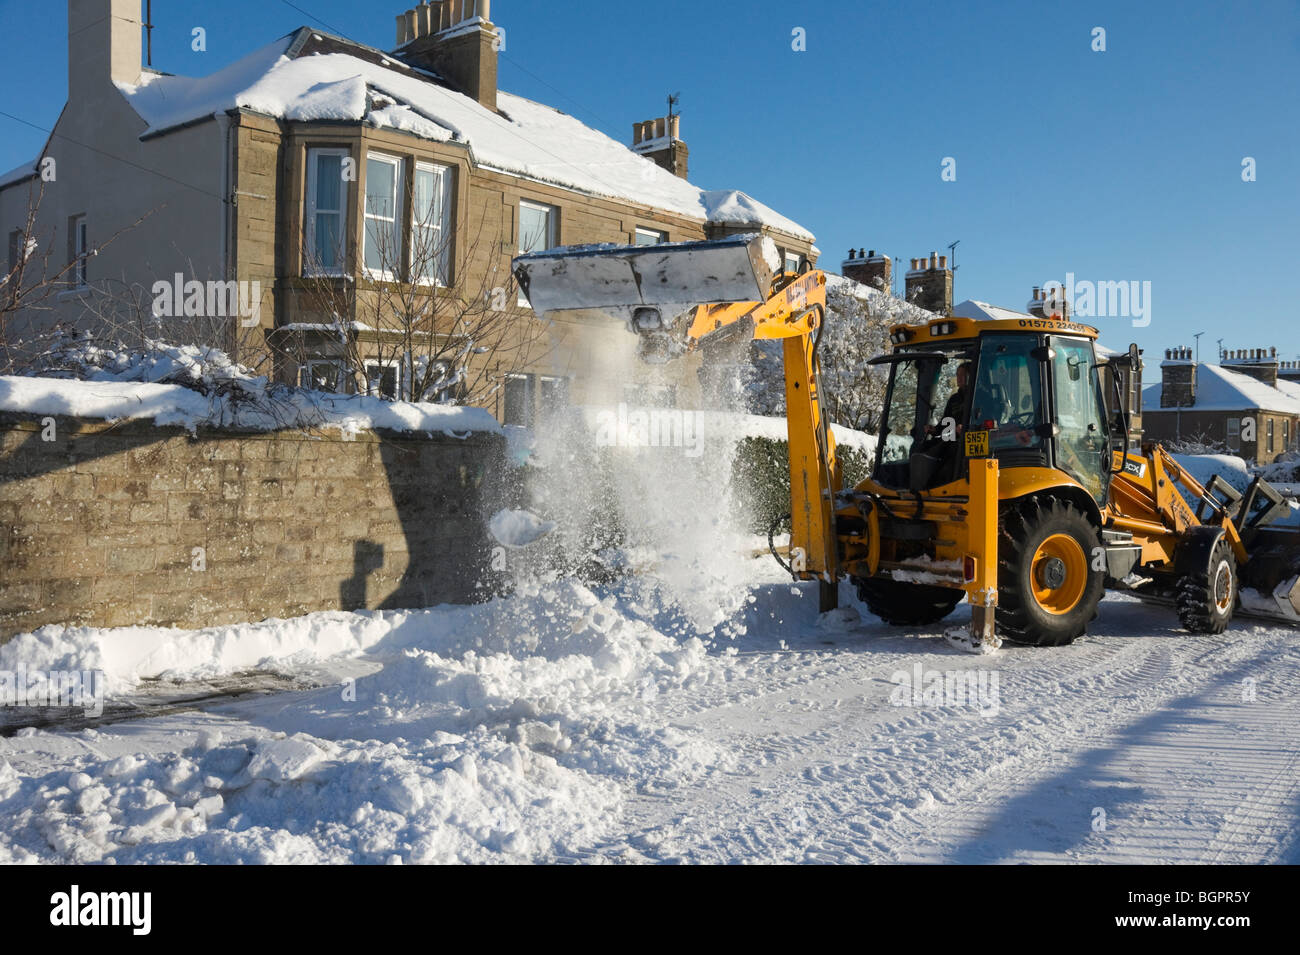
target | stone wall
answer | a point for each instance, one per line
(111, 525)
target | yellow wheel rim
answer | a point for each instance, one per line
(1222, 587)
(1058, 574)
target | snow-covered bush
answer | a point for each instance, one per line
(1285, 470)
(1195, 444)
(761, 477)
(858, 320)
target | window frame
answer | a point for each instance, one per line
(339, 366)
(554, 392)
(79, 251)
(529, 402)
(399, 165)
(552, 228)
(446, 226)
(660, 236)
(384, 364)
(311, 211)
(1232, 434)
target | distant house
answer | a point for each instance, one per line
(317, 164)
(1243, 404)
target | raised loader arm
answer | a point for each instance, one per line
(674, 296)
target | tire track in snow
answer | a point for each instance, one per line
(810, 793)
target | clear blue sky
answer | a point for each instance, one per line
(1122, 165)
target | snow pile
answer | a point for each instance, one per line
(193, 386)
(129, 655)
(304, 800)
(490, 733)
(518, 528)
(1203, 467)
(1285, 470)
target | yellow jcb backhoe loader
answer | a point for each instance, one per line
(1003, 471)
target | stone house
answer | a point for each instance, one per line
(310, 170)
(1243, 403)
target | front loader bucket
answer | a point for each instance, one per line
(1270, 579)
(671, 278)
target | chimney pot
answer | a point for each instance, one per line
(852, 253)
(943, 261)
(934, 260)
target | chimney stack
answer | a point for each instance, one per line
(104, 46)
(1178, 378)
(872, 270)
(456, 40)
(1262, 364)
(929, 284)
(660, 141)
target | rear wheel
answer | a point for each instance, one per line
(904, 604)
(1205, 600)
(1047, 589)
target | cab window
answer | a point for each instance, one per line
(1083, 446)
(1008, 393)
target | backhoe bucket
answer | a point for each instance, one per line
(669, 279)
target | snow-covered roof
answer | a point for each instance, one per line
(524, 139)
(18, 174)
(1289, 388)
(1218, 389)
(983, 311)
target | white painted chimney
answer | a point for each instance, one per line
(105, 45)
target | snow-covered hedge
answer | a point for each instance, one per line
(192, 387)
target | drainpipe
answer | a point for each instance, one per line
(227, 207)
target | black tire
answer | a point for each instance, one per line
(1205, 600)
(907, 605)
(1045, 597)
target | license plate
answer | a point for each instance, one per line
(977, 444)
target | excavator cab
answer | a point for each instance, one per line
(1025, 398)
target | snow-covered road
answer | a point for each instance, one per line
(1121, 748)
(572, 724)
